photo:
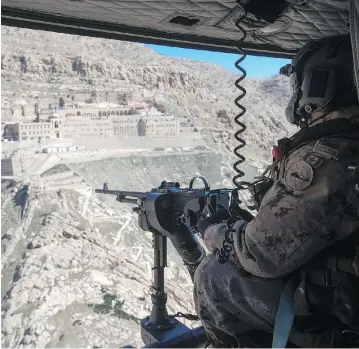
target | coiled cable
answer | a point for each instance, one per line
(224, 253)
(243, 110)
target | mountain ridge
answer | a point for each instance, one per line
(76, 267)
(64, 63)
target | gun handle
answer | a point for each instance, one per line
(187, 245)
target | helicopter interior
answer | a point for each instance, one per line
(275, 28)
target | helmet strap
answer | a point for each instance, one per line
(317, 119)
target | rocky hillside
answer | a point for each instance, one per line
(76, 269)
(41, 64)
(72, 279)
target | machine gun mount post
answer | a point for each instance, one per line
(159, 315)
(159, 326)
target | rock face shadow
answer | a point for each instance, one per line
(112, 306)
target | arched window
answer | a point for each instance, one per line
(112, 112)
(121, 112)
(78, 113)
(100, 113)
(117, 112)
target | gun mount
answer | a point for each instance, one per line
(170, 211)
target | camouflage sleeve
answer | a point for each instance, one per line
(302, 214)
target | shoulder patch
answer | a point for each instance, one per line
(331, 150)
(299, 176)
(326, 151)
(313, 160)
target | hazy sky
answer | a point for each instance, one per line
(255, 66)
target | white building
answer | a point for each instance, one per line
(157, 126)
(97, 127)
(87, 112)
(94, 112)
(61, 149)
(125, 125)
(86, 127)
(150, 111)
(30, 131)
(139, 125)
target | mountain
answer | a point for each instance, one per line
(50, 65)
(76, 269)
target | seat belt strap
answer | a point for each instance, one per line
(285, 315)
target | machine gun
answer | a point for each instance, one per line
(170, 211)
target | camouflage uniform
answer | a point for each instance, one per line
(311, 205)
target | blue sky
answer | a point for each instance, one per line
(256, 67)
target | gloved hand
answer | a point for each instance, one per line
(218, 217)
(215, 234)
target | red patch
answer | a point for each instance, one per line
(277, 152)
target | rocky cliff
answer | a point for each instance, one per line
(50, 65)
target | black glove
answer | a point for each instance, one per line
(217, 217)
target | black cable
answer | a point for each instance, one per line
(224, 253)
(242, 111)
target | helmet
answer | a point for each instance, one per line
(322, 79)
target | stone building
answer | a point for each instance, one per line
(95, 127)
(125, 125)
(86, 127)
(30, 131)
(158, 126)
(97, 112)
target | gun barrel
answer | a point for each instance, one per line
(134, 194)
